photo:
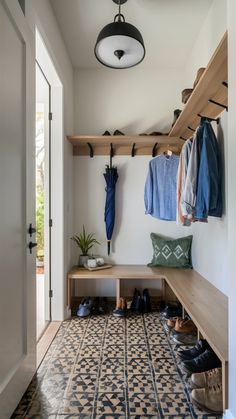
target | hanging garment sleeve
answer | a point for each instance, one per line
(148, 192)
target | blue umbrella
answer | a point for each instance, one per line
(111, 177)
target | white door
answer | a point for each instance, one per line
(17, 178)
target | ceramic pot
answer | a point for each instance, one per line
(83, 260)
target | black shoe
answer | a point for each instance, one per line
(192, 353)
(146, 301)
(172, 310)
(204, 362)
(137, 303)
(106, 133)
(117, 132)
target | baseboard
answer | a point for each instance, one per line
(228, 415)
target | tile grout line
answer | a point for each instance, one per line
(96, 393)
(159, 410)
(126, 390)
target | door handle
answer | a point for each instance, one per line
(31, 230)
(31, 246)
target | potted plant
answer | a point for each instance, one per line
(85, 242)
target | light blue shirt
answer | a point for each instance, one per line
(160, 187)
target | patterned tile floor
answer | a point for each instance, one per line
(111, 368)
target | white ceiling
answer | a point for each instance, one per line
(169, 27)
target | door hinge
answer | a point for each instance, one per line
(50, 222)
(50, 116)
(50, 293)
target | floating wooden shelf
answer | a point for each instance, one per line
(210, 86)
(123, 144)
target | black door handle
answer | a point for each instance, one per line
(31, 230)
(31, 246)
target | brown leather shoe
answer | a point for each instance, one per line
(206, 379)
(186, 93)
(123, 303)
(209, 399)
(172, 321)
(199, 75)
(185, 326)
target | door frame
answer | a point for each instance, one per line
(16, 383)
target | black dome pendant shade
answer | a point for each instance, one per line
(119, 44)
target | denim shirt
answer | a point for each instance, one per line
(209, 193)
(160, 187)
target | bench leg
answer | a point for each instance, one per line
(117, 292)
(225, 385)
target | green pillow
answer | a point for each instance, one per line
(175, 253)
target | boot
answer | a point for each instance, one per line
(209, 399)
(147, 308)
(207, 378)
(137, 303)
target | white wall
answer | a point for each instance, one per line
(232, 204)
(40, 13)
(135, 101)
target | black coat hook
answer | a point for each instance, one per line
(217, 120)
(91, 153)
(182, 138)
(154, 149)
(133, 150)
(218, 104)
(191, 129)
(225, 83)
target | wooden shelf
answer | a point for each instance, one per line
(122, 144)
(209, 87)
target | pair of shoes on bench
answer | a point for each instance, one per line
(207, 390)
(141, 303)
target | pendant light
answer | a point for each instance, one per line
(119, 44)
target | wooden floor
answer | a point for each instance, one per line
(46, 340)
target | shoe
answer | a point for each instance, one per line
(137, 303)
(207, 378)
(177, 113)
(120, 310)
(170, 323)
(172, 310)
(192, 353)
(184, 326)
(99, 306)
(199, 75)
(184, 338)
(84, 309)
(147, 308)
(209, 399)
(186, 93)
(117, 132)
(106, 133)
(204, 362)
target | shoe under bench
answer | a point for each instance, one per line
(205, 304)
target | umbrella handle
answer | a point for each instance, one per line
(108, 247)
(111, 154)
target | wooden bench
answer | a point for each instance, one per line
(205, 304)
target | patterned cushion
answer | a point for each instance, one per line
(175, 253)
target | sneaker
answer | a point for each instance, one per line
(200, 347)
(117, 132)
(106, 133)
(84, 309)
(204, 362)
(186, 93)
(184, 339)
(206, 379)
(172, 310)
(170, 323)
(120, 310)
(209, 399)
(147, 308)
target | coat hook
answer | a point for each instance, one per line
(90, 150)
(225, 83)
(182, 138)
(217, 120)
(111, 154)
(191, 129)
(133, 150)
(154, 149)
(218, 104)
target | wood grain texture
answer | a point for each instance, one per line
(209, 87)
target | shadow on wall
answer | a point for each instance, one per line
(122, 170)
(221, 140)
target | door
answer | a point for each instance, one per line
(17, 180)
(43, 199)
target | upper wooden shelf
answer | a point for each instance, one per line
(123, 144)
(210, 86)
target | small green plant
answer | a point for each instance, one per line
(85, 241)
